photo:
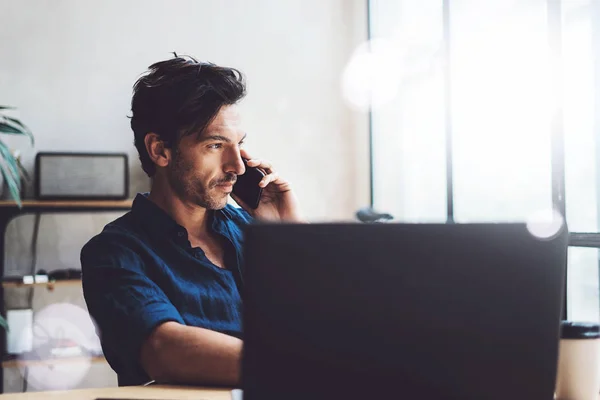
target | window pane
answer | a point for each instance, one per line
(408, 131)
(582, 300)
(581, 143)
(500, 109)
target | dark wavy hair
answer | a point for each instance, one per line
(179, 97)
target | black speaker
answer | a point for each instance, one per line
(81, 176)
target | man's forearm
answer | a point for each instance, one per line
(176, 353)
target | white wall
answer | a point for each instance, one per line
(69, 66)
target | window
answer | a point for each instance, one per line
(496, 118)
(409, 142)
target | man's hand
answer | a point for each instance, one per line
(277, 202)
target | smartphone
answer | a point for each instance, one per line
(246, 187)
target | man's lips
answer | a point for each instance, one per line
(226, 185)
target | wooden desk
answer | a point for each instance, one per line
(128, 392)
(155, 392)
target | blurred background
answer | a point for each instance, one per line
(430, 110)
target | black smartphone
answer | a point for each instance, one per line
(246, 187)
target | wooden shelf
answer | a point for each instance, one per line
(50, 284)
(9, 210)
(117, 204)
(52, 361)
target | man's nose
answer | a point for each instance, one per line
(236, 164)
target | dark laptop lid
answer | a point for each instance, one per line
(408, 311)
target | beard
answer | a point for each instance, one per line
(190, 187)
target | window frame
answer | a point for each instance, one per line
(555, 36)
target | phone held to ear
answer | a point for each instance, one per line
(246, 187)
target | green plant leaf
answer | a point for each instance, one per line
(3, 323)
(9, 177)
(19, 125)
(13, 126)
(5, 127)
(13, 123)
(9, 160)
(16, 121)
(10, 172)
(12, 186)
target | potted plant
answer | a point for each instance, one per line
(10, 166)
(11, 169)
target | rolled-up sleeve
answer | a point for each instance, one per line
(124, 302)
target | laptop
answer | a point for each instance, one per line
(390, 311)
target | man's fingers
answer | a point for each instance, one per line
(281, 184)
(272, 177)
(245, 154)
(266, 165)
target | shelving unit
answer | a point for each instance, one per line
(8, 211)
(104, 205)
(50, 284)
(51, 361)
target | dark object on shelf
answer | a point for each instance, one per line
(81, 176)
(64, 274)
(369, 215)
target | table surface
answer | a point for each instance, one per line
(154, 392)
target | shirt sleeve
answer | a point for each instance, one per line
(124, 302)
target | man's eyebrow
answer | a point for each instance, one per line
(219, 138)
(214, 137)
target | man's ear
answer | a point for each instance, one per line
(157, 151)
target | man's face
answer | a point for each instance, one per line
(204, 168)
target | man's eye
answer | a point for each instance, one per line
(241, 144)
(215, 146)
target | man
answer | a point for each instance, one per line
(163, 281)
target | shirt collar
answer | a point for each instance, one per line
(161, 223)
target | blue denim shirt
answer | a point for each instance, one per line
(141, 271)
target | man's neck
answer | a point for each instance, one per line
(192, 217)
